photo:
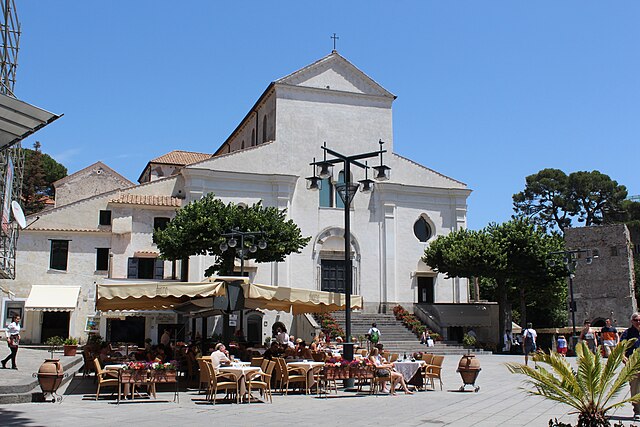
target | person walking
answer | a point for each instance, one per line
(374, 335)
(609, 335)
(529, 338)
(588, 336)
(634, 384)
(13, 340)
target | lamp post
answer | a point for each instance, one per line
(347, 191)
(241, 250)
(570, 261)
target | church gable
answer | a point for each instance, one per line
(335, 73)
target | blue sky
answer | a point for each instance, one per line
(488, 92)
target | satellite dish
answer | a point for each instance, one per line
(18, 214)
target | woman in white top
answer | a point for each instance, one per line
(13, 339)
(382, 366)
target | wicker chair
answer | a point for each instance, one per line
(216, 384)
(290, 375)
(434, 371)
(105, 378)
(261, 381)
(205, 378)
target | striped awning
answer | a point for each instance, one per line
(52, 298)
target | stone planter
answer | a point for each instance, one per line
(469, 368)
(50, 375)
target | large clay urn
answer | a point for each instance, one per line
(50, 375)
(469, 368)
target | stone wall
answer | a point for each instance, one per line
(604, 288)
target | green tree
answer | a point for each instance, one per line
(553, 200)
(589, 389)
(40, 172)
(198, 227)
(545, 199)
(511, 254)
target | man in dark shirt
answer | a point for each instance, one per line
(633, 332)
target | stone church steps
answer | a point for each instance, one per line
(395, 336)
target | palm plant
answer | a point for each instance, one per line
(592, 388)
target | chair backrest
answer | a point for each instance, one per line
(319, 356)
(96, 363)
(269, 369)
(437, 360)
(256, 361)
(264, 364)
(363, 352)
(205, 375)
(386, 354)
(428, 358)
(211, 373)
(281, 369)
(394, 357)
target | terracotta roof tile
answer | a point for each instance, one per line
(147, 199)
(179, 157)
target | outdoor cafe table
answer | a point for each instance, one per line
(410, 371)
(307, 366)
(240, 371)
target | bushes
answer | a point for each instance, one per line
(329, 325)
(413, 323)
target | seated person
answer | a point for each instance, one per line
(302, 351)
(220, 356)
(290, 352)
(381, 366)
(160, 355)
(292, 341)
(273, 351)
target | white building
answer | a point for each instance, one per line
(265, 159)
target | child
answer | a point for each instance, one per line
(562, 345)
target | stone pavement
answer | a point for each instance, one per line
(500, 401)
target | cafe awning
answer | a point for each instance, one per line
(52, 298)
(154, 295)
(296, 300)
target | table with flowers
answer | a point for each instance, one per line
(149, 374)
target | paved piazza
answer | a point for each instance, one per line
(499, 402)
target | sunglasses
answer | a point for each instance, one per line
(635, 320)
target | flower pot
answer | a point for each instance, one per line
(70, 349)
(50, 375)
(163, 376)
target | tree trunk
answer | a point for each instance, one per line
(523, 307)
(503, 311)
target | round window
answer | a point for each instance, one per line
(422, 230)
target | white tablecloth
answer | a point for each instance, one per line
(408, 368)
(240, 373)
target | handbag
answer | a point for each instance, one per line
(14, 341)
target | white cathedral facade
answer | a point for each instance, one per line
(108, 236)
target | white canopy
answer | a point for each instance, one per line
(52, 298)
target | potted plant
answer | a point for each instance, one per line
(70, 346)
(54, 344)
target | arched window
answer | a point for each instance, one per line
(326, 193)
(253, 137)
(264, 129)
(422, 229)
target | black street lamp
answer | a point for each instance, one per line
(570, 261)
(242, 250)
(347, 190)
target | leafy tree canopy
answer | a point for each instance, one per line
(512, 254)
(553, 199)
(198, 229)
